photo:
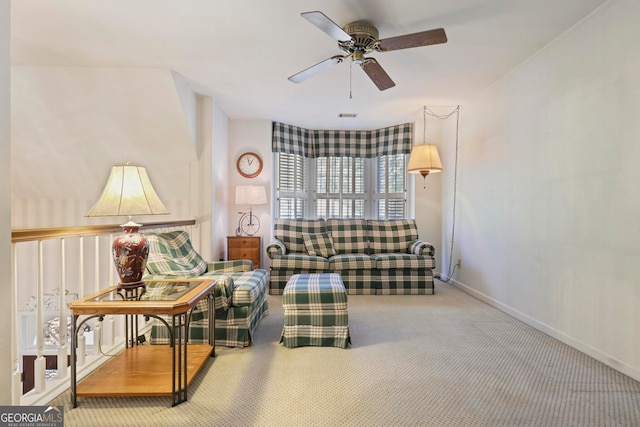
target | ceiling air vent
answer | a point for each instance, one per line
(347, 115)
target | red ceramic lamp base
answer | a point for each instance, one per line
(130, 251)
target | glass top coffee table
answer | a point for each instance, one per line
(144, 369)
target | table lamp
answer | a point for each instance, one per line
(129, 192)
(249, 224)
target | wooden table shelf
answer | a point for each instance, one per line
(141, 371)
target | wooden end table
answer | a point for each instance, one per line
(142, 370)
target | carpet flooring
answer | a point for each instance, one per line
(436, 360)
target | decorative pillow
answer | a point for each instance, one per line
(320, 244)
(350, 236)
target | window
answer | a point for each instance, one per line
(292, 188)
(341, 173)
(341, 187)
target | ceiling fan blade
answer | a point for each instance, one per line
(321, 21)
(407, 41)
(375, 72)
(315, 69)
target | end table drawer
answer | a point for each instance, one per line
(243, 253)
(244, 242)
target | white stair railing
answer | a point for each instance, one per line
(36, 303)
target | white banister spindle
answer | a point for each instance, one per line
(16, 377)
(39, 365)
(79, 349)
(108, 326)
(62, 349)
(96, 263)
(113, 268)
(81, 266)
(97, 329)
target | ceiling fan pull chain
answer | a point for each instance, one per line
(350, 95)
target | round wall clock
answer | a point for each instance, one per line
(249, 165)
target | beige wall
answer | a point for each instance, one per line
(427, 192)
(220, 187)
(548, 205)
(70, 125)
(254, 136)
(5, 208)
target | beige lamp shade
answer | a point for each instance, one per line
(128, 192)
(251, 195)
(424, 159)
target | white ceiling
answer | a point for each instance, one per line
(242, 51)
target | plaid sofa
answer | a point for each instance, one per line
(240, 292)
(373, 256)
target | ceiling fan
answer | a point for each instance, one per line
(359, 38)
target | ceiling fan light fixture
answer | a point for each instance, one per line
(358, 57)
(359, 38)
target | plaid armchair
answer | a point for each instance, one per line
(240, 290)
(372, 256)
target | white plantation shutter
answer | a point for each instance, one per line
(340, 187)
(390, 202)
(292, 193)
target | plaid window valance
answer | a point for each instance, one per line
(341, 143)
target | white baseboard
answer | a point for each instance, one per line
(608, 360)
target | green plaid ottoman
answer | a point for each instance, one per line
(315, 311)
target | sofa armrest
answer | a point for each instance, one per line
(230, 266)
(421, 248)
(276, 248)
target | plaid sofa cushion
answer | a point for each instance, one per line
(403, 261)
(352, 262)
(349, 235)
(300, 261)
(320, 244)
(290, 231)
(389, 236)
(172, 254)
(315, 292)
